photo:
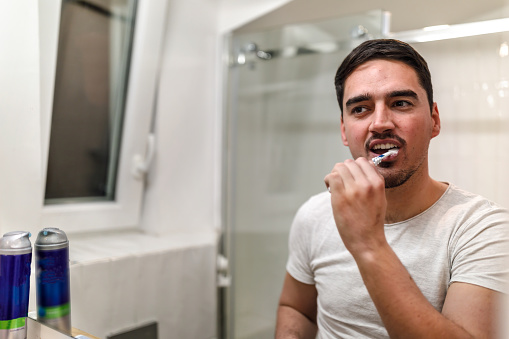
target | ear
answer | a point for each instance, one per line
(435, 117)
(343, 134)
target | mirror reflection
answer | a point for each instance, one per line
(240, 100)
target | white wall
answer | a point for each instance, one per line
(183, 184)
(20, 179)
(472, 92)
(180, 188)
(235, 13)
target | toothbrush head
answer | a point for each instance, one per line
(393, 151)
(377, 160)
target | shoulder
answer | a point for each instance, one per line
(479, 242)
(475, 219)
(316, 207)
(313, 214)
(470, 206)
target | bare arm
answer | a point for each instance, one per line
(296, 315)
(469, 311)
(475, 308)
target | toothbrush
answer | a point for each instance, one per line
(377, 160)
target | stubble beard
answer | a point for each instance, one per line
(399, 177)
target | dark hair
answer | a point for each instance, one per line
(388, 49)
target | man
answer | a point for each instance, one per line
(415, 257)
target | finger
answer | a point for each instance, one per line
(327, 184)
(369, 169)
(356, 171)
(343, 172)
(326, 181)
(330, 181)
(362, 175)
(334, 181)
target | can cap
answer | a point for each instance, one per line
(16, 242)
(51, 238)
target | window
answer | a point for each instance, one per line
(99, 64)
(94, 50)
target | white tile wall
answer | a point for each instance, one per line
(471, 88)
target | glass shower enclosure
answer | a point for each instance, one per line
(283, 137)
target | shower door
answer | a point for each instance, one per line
(283, 137)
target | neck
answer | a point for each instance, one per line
(415, 196)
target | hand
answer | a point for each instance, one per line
(358, 204)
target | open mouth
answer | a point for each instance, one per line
(382, 148)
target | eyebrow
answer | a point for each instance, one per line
(403, 93)
(357, 99)
(394, 94)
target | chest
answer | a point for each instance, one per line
(342, 296)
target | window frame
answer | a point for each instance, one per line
(124, 211)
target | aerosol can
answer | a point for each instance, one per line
(52, 279)
(15, 261)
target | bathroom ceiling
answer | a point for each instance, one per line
(406, 15)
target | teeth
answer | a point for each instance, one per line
(384, 146)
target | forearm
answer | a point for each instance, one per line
(404, 310)
(292, 324)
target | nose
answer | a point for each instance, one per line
(381, 120)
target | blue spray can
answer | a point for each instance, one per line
(52, 279)
(15, 260)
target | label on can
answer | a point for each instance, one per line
(14, 294)
(53, 277)
(13, 329)
(54, 311)
(53, 290)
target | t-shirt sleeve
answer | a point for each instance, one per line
(480, 254)
(299, 243)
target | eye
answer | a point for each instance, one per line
(402, 103)
(358, 110)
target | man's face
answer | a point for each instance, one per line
(385, 107)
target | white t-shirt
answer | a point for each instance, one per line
(461, 238)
